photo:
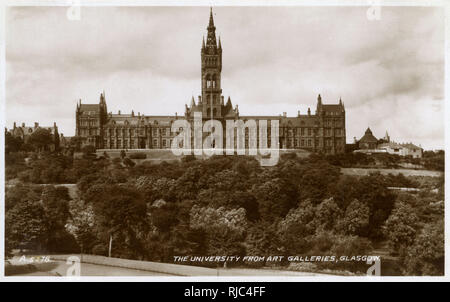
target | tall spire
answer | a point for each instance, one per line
(211, 37)
(211, 19)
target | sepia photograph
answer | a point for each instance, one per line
(223, 140)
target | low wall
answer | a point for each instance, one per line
(405, 172)
(166, 268)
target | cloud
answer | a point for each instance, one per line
(389, 73)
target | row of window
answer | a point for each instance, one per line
(131, 144)
(86, 123)
(166, 143)
(335, 123)
(211, 61)
(296, 143)
(127, 132)
(86, 132)
(332, 113)
(310, 131)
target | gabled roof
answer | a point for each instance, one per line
(368, 137)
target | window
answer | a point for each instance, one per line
(309, 143)
(303, 131)
(155, 142)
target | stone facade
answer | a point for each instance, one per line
(323, 131)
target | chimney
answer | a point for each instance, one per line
(119, 112)
(298, 113)
(36, 124)
(284, 114)
(54, 124)
(176, 115)
(14, 125)
(309, 111)
(199, 99)
(23, 125)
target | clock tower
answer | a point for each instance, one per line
(211, 56)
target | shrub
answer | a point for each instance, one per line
(137, 156)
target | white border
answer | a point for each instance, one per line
(429, 3)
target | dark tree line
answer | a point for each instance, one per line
(225, 205)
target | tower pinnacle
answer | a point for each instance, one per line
(211, 19)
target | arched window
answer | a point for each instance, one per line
(208, 81)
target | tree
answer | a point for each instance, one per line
(12, 143)
(55, 201)
(164, 215)
(295, 228)
(25, 225)
(401, 227)
(120, 212)
(427, 254)
(275, 198)
(355, 220)
(225, 229)
(81, 224)
(75, 143)
(327, 214)
(88, 150)
(263, 239)
(41, 138)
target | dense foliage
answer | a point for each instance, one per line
(225, 205)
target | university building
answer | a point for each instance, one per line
(323, 131)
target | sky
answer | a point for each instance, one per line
(388, 72)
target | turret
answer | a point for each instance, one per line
(319, 105)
